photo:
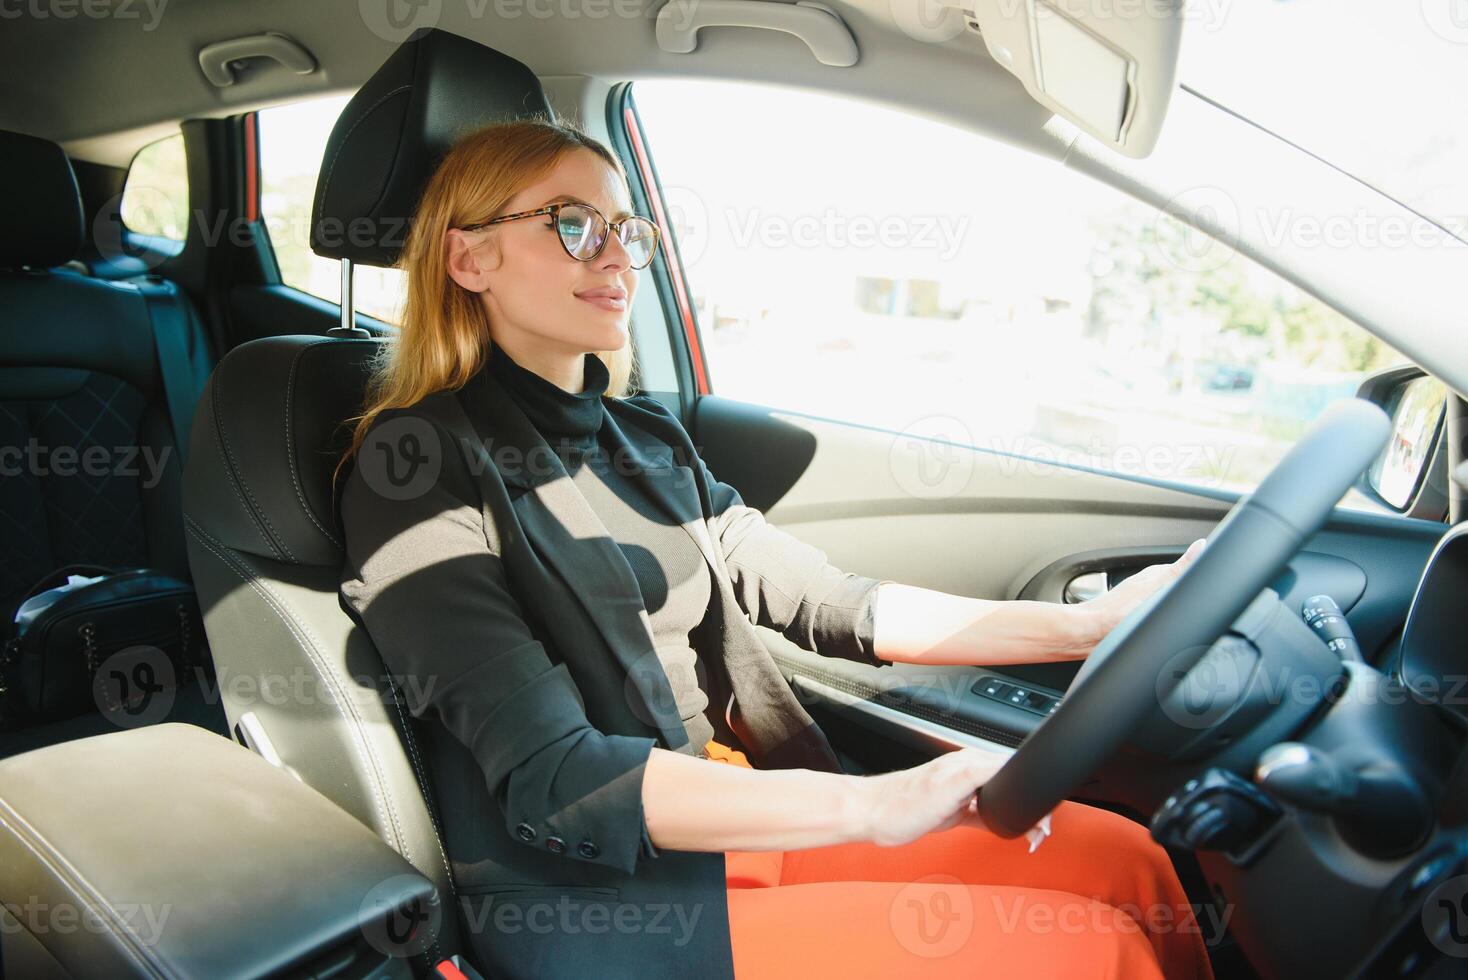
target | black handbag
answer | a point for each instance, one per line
(49, 668)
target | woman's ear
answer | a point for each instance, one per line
(470, 258)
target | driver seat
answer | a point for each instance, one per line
(301, 683)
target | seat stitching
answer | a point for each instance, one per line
(417, 766)
(326, 184)
(428, 802)
(385, 809)
(235, 483)
(290, 453)
(49, 855)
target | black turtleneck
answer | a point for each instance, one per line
(567, 420)
(676, 582)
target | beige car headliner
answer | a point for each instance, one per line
(116, 74)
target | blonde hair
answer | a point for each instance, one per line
(443, 339)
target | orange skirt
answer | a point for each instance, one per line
(1098, 899)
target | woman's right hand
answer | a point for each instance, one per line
(903, 806)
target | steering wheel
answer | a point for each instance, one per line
(1117, 690)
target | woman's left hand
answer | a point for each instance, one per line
(1112, 606)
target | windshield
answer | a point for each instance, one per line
(1371, 86)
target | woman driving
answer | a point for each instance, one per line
(562, 586)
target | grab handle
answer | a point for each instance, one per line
(827, 36)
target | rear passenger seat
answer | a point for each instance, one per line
(78, 369)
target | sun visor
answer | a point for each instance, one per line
(1108, 66)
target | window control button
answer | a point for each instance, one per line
(992, 688)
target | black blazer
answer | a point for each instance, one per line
(518, 632)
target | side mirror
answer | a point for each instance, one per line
(1410, 475)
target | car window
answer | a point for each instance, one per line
(861, 264)
(155, 195)
(292, 141)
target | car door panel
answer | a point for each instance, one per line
(1004, 528)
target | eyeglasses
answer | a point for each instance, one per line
(583, 231)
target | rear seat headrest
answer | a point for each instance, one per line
(43, 207)
(397, 128)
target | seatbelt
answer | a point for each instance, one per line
(183, 363)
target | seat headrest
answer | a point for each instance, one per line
(396, 129)
(269, 431)
(43, 207)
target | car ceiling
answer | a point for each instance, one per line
(104, 86)
(131, 75)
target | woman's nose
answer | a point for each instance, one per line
(614, 253)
